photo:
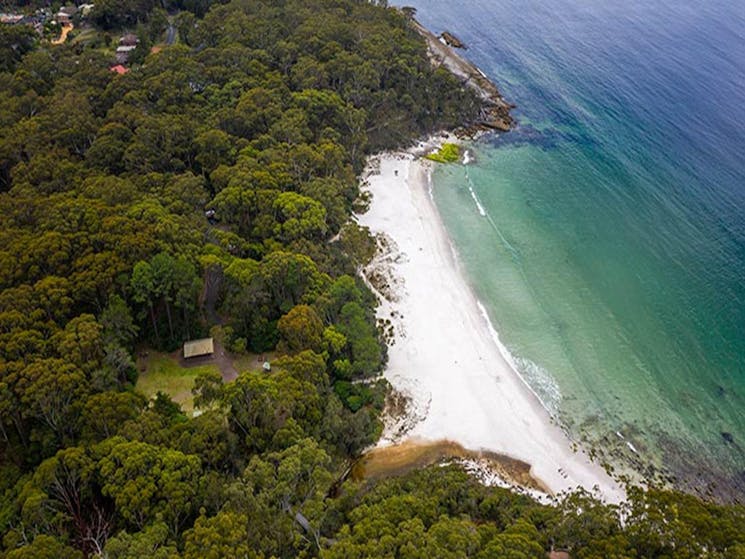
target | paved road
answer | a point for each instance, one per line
(170, 34)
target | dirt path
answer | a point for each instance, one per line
(63, 36)
(225, 363)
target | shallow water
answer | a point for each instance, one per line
(605, 236)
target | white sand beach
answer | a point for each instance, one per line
(443, 354)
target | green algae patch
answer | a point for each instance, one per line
(448, 153)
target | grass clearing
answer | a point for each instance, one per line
(251, 361)
(164, 373)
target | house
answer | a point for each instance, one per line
(127, 43)
(123, 52)
(128, 40)
(119, 69)
(85, 9)
(199, 348)
(64, 15)
(11, 19)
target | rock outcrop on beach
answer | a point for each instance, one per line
(495, 112)
(452, 40)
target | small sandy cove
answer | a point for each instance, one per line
(443, 355)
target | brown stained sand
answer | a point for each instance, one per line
(413, 454)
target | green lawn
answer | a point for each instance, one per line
(163, 373)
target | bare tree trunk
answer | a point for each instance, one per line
(152, 317)
(170, 320)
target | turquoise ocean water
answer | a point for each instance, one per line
(606, 234)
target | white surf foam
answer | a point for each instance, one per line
(481, 209)
(538, 380)
(429, 185)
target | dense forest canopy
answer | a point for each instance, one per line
(208, 190)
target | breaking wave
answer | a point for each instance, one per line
(538, 380)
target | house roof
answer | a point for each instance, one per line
(196, 348)
(129, 39)
(10, 18)
(119, 69)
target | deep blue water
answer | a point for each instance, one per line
(612, 256)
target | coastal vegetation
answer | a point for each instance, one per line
(211, 185)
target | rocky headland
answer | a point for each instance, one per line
(495, 112)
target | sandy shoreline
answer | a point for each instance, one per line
(443, 354)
